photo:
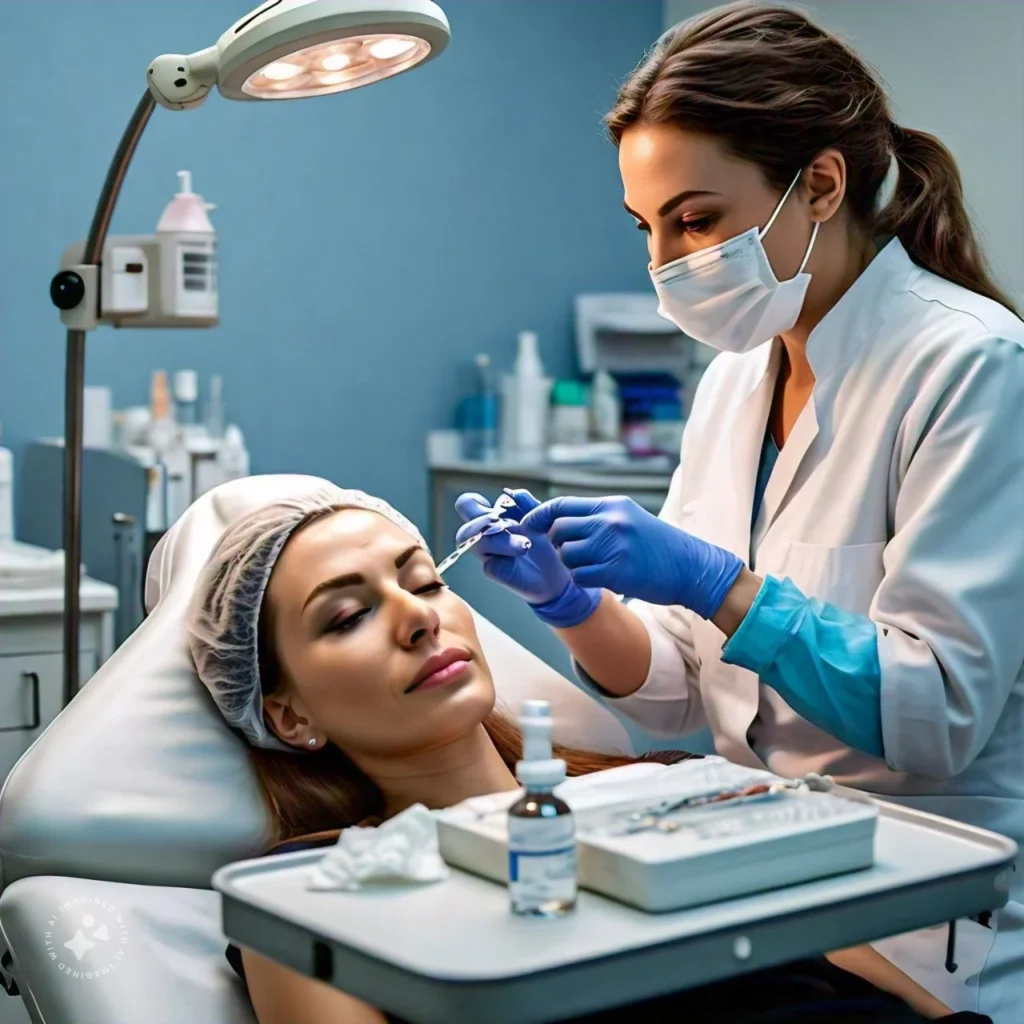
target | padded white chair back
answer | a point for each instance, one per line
(139, 780)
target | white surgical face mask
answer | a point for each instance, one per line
(728, 295)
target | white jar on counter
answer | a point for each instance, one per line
(570, 414)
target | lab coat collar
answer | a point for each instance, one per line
(858, 316)
(835, 341)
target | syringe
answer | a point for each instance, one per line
(506, 501)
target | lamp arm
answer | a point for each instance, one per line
(74, 387)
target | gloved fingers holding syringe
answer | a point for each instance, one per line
(529, 566)
(608, 543)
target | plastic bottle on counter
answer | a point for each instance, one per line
(186, 398)
(570, 417)
(479, 415)
(525, 397)
(605, 407)
(488, 398)
(168, 443)
(161, 418)
(542, 867)
(233, 457)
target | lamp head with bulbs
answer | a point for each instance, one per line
(292, 49)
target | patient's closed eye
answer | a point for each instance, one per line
(431, 588)
(345, 622)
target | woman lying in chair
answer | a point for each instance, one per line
(326, 636)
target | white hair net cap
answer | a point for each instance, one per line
(223, 622)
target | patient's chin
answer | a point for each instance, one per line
(465, 703)
(450, 714)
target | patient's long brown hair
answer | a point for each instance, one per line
(324, 791)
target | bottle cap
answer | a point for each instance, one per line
(186, 385)
(541, 774)
(569, 392)
(186, 211)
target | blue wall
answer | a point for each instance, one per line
(370, 243)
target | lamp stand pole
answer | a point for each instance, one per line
(68, 290)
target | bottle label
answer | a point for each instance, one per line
(541, 860)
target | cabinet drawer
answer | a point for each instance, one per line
(44, 634)
(30, 697)
(23, 679)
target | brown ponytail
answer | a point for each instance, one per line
(776, 89)
(928, 215)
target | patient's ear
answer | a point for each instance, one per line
(286, 718)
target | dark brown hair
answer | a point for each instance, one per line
(777, 90)
(323, 791)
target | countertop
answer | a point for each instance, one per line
(48, 599)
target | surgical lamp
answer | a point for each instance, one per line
(284, 49)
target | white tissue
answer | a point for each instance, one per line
(404, 847)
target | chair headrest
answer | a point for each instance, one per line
(139, 780)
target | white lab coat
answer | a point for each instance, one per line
(898, 495)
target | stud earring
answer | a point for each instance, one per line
(312, 741)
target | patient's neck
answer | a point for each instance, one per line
(442, 776)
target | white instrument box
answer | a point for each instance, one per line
(673, 859)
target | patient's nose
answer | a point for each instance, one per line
(417, 620)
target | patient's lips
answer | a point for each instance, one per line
(451, 664)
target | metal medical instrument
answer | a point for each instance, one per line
(661, 816)
(506, 501)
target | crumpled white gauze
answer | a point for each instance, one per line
(404, 847)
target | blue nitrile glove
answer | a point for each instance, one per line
(530, 567)
(614, 543)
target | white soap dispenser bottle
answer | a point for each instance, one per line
(188, 254)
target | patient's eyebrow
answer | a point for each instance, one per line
(351, 579)
(407, 554)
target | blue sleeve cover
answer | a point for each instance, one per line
(821, 660)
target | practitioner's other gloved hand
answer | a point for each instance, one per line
(529, 566)
(616, 544)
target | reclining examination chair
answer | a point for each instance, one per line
(114, 821)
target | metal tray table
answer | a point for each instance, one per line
(451, 953)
